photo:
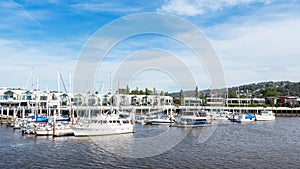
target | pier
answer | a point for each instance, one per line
(8, 113)
(279, 111)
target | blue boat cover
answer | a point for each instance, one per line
(249, 116)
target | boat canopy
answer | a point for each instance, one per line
(249, 116)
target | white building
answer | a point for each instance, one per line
(192, 101)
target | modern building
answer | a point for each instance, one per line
(192, 101)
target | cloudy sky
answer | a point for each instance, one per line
(256, 40)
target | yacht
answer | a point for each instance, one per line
(61, 129)
(233, 116)
(108, 124)
(140, 119)
(193, 119)
(44, 129)
(265, 116)
(164, 119)
(220, 115)
(17, 124)
(245, 118)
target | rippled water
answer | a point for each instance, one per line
(231, 145)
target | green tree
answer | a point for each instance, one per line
(202, 97)
(181, 97)
(136, 91)
(147, 91)
(232, 94)
(141, 92)
(127, 89)
(270, 92)
(154, 91)
(196, 92)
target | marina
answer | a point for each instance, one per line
(232, 145)
(115, 136)
(163, 84)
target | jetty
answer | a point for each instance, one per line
(8, 113)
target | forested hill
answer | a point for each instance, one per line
(268, 89)
(261, 90)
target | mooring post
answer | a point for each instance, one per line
(2, 109)
(54, 125)
(7, 115)
(14, 118)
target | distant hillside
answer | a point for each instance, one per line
(268, 89)
(261, 90)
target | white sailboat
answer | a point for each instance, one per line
(61, 129)
(44, 130)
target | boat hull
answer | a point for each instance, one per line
(264, 118)
(192, 124)
(44, 132)
(64, 132)
(84, 132)
(159, 122)
(245, 118)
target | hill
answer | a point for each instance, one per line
(259, 90)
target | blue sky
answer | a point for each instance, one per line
(256, 40)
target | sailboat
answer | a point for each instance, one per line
(61, 129)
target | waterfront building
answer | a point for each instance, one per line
(292, 100)
(215, 101)
(49, 102)
(258, 101)
(245, 101)
(77, 99)
(13, 97)
(192, 101)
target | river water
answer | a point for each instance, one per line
(226, 145)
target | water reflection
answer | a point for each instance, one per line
(128, 145)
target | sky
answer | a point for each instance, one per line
(255, 40)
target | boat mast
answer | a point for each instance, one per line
(37, 94)
(70, 100)
(58, 91)
(70, 82)
(36, 110)
(240, 111)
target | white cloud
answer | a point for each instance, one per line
(102, 7)
(252, 47)
(136, 44)
(260, 51)
(199, 7)
(13, 14)
(182, 8)
(18, 58)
